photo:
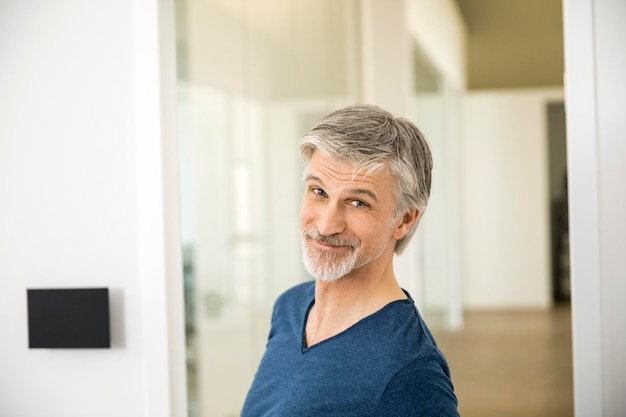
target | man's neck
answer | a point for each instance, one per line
(341, 303)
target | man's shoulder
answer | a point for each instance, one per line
(298, 293)
(294, 301)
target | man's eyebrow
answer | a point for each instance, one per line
(357, 191)
(311, 177)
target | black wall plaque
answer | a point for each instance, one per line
(68, 318)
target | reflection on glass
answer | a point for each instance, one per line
(253, 77)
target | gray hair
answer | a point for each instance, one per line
(370, 138)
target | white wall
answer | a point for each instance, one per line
(82, 191)
(596, 97)
(505, 215)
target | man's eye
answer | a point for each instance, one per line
(359, 203)
(320, 192)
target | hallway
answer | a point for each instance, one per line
(512, 363)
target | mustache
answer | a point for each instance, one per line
(333, 240)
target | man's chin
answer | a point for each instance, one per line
(332, 278)
(328, 273)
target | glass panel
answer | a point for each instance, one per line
(435, 111)
(253, 77)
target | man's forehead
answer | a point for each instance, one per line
(356, 171)
(326, 170)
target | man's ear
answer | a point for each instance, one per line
(406, 222)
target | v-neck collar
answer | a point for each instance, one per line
(306, 348)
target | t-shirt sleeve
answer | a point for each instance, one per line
(421, 389)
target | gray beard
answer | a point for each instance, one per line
(331, 266)
(328, 266)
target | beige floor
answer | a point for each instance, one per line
(512, 364)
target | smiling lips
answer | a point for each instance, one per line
(331, 248)
(333, 241)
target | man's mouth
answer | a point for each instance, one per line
(333, 241)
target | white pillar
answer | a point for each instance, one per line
(386, 53)
(160, 250)
(595, 98)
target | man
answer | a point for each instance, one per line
(352, 343)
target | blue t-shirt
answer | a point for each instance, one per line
(387, 364)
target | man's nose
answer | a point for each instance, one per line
(331, 220)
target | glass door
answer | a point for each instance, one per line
(253, 77)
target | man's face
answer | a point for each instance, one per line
(347, 220)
